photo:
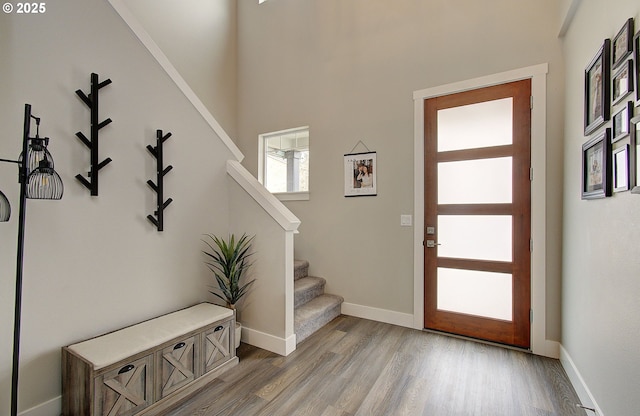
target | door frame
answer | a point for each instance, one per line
(538, 75)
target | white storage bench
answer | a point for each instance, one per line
(145, 368)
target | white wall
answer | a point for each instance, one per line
(348, 70)
(601, 267)
(94, 264)
(199, 38)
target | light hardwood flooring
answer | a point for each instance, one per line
(359, 367)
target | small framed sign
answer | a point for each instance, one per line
(360, 170)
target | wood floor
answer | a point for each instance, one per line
(359, 367)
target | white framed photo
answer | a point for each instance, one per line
(621, 169)
(360, 170)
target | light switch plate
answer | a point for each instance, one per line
(406, 220)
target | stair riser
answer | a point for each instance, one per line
(313, 309)
(300, 270)
(308, 328)
(303, 297)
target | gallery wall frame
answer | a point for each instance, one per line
(621, 122)
(623, 42)
(622, 82)
(634, 156)
(596, 166)
(636, 59)
(620, 169)
(597, 89)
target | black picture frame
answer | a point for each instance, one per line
(596, 166)
(636, 59)
(597, 89)
(620, 171)
(621, 122)
(622, 82)
(622, 44)
(634, 155)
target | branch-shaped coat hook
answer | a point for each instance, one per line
(161, 171)
(91, 101)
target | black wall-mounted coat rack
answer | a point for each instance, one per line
(92, 102)
(158, 218)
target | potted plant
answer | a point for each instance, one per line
(229, 261)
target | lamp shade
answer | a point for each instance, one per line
(44, 182)
(5, 208)
(37, 152)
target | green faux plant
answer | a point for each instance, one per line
(228, 260)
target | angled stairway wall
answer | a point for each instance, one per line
(268, 317)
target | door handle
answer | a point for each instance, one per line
(431, 243)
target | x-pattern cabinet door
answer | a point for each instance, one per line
(217, 345)
(125, 390)
(177, 365)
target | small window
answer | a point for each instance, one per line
(284, 163)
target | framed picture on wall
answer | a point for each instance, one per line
(596, 166)
(621, 169)
(636, 59)
(634, 155)
(622, 122)
(622, 83)
(623, 43)
(360, 170)
(597, 92)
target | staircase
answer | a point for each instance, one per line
(313, 308)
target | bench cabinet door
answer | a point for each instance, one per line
(177, 366)
(125, 390)
(217, 346)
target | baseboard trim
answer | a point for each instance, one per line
(48, 408)
(280, 346)
(379, 315)
(580, 386)
(550, 349)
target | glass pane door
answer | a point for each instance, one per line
(477, 213)
(475, 181)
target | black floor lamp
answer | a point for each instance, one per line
(38, 180)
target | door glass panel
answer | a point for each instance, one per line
(476, 125)
(475, 293)
(475, 181)
(479, 237)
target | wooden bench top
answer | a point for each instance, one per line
(115, 346)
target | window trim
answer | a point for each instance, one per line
(292, 196)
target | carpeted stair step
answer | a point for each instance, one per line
(307, 288)
(316, 313)
(300, 269)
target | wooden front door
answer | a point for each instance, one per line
(477, 213)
